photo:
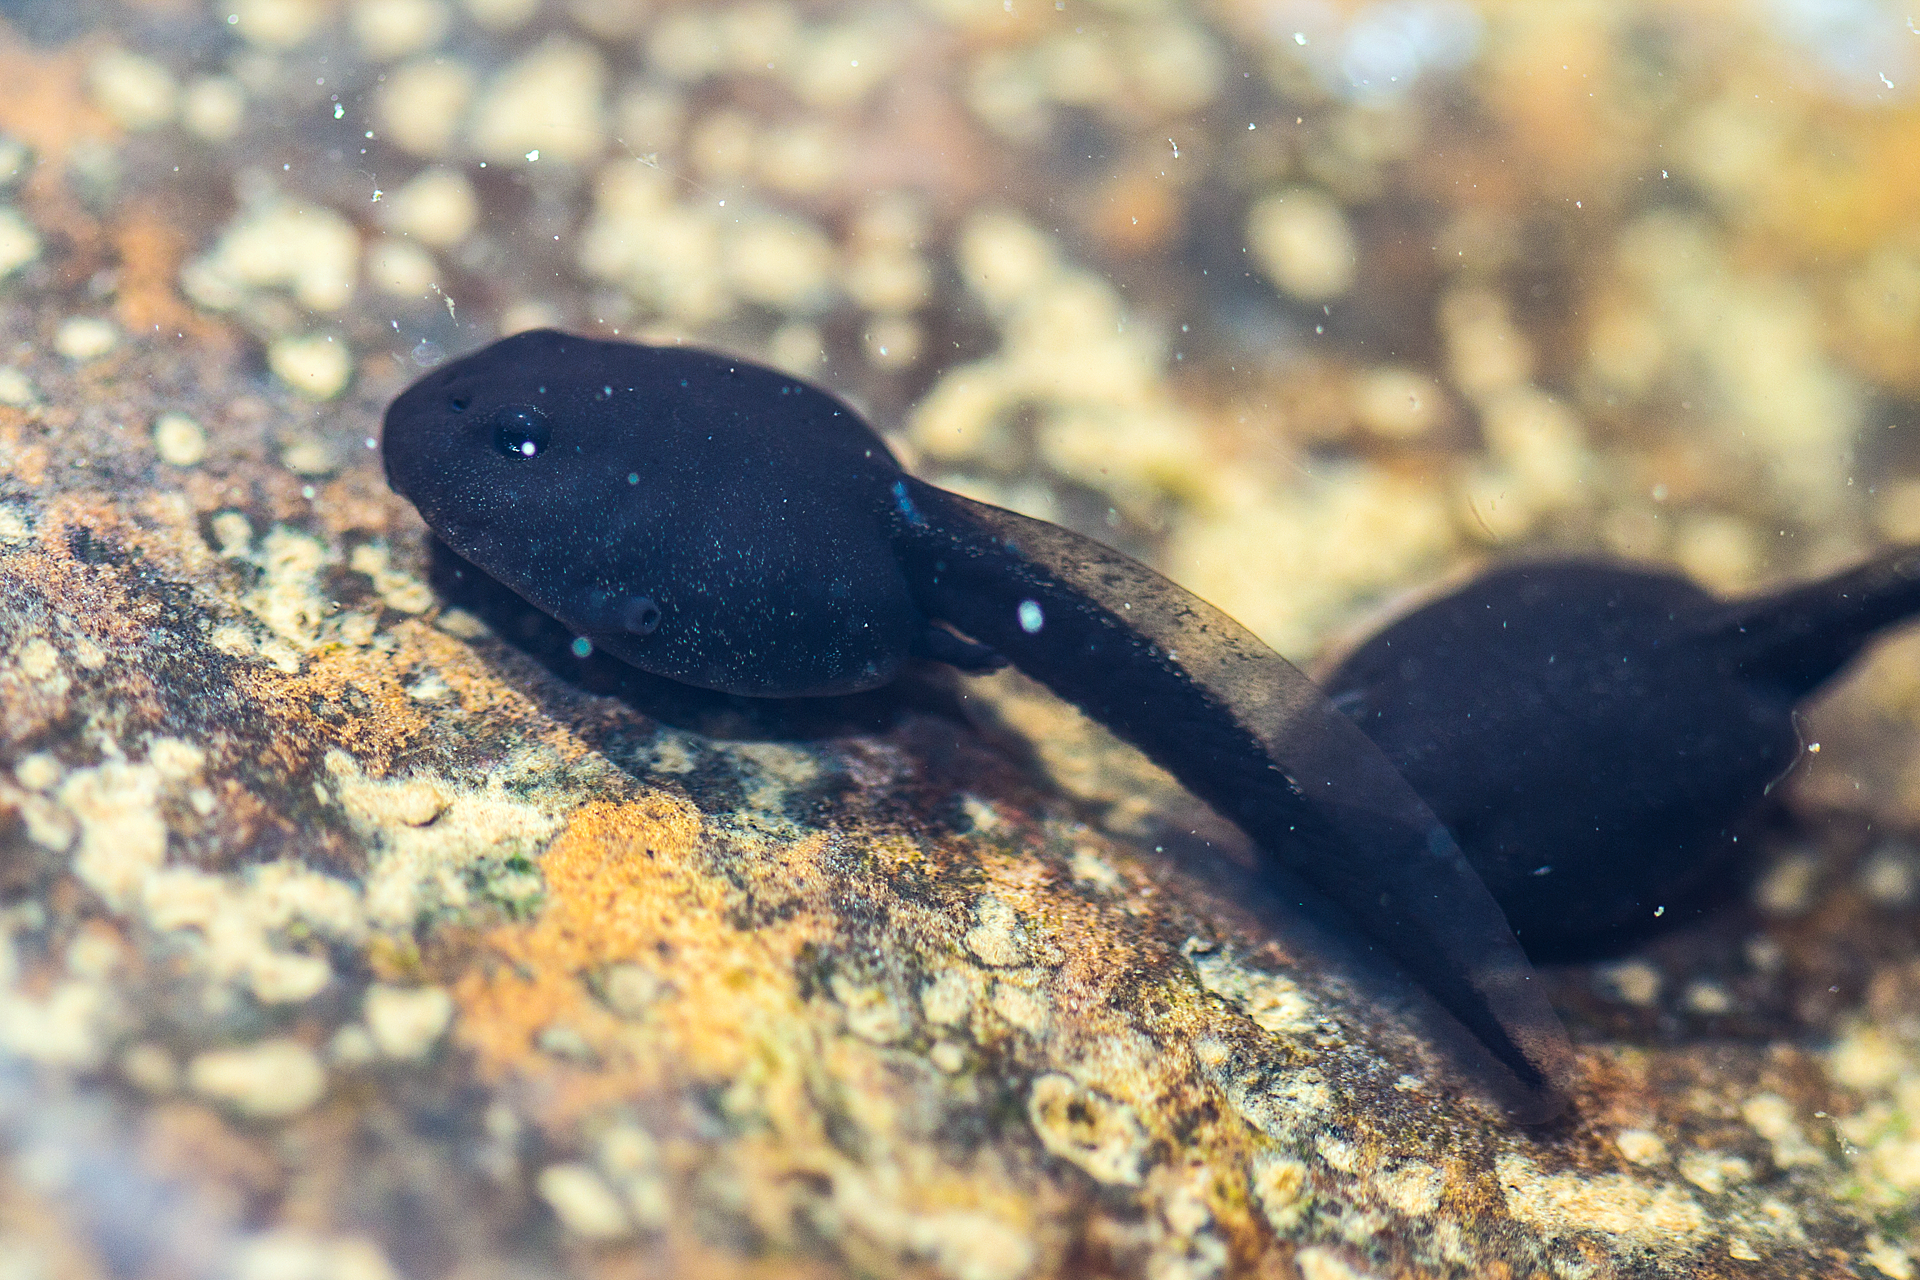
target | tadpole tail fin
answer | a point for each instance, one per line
(1245, 731)
(1799, 636)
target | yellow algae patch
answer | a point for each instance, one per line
(1275, 1003)
(623, 888)
(1612, 1204)
(441, 846)
(1101, 1135)
(122, 835)
(237, 916)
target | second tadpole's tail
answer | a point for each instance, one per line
(1800, 636)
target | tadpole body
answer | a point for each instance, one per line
(1594, 734)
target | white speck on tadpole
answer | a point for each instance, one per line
(1031, 619)
(533, 155)
(1300, 37)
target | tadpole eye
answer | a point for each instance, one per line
(458, 403)
(641, 617)
(520, 431)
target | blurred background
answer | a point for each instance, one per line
(1299, 300)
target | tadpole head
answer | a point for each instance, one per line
(474, 438)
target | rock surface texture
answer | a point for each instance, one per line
(351, 927)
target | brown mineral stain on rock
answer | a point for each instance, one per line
(43, 99)
(360, 694)
(150, 251)
(625, 886)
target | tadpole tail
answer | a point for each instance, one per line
(1245, 731)
(1799, 636)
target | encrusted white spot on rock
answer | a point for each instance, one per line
(871, 1011)
(38, 660)
(175, 759)
(997, 938)
(287, 598)
(150, 1068)
(16, 525)
(1772, 1117)
(946, 999)
(309, 250)
(270, 1079)
(1023, 1006)
(962, 1244)
(236, 914)
(122, 836)
(1275, 1002)
(71, 1026)
(1319, 1262)
(1787, 888)
(85, 338)
(630, 1159)
(1711, 1171)
(1641, 1146)
(19, 247)
(549, 103)
(1090, 868)
(1651, 1215)
(583, 1202)
(1634, 982)
(288, 977)
(288, 1254)
(1282, 1188)
(406, 1021)
(422, 857)
(398, 591)
(1412, 1187)
(1101, 1135)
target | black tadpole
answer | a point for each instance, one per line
(1593, 734)
(781, 551)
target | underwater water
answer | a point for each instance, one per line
(357, 920)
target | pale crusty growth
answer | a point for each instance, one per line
(1302, 241)
(1099, 1134)
(312, 252)
(421, 104)
(269, 1079)
(317, 366)
(405, 1022)
(137, 92)
(549, 105)
(84, 338)
(431, 840)
(179, 440)
(389, 29)
(437, 207)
